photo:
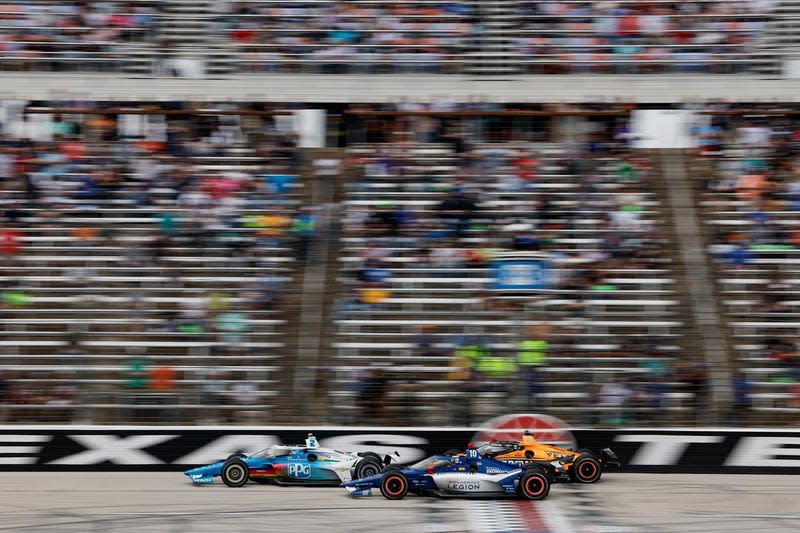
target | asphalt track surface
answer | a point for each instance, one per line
(33, 502)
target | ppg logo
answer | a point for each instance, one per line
(299, 470)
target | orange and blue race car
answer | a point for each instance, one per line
(583, 466)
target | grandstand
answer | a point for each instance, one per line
(135, 264)
(181, 243)
(601, 311)
(747, 185)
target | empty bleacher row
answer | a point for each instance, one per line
(416, 285)
(138, 284)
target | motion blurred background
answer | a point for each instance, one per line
(400, 213)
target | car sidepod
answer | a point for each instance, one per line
(468, 483)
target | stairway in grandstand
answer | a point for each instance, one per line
(86, 309)
(635, 306)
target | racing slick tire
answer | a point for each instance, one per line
(394, 485)
(373, 455)
(586, 469)
(235, 472)
(367, 467)
(534, 484)
(234, 455)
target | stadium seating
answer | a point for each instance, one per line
(752, 228)
(141, 302)
(640, 37)
(440, 283)
(329, 36)
(63, 36)
(197, 39)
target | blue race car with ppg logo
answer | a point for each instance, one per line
(470, 475)
(291, 465)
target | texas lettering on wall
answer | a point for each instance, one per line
(164, 448)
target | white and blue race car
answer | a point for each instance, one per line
(456, 475)
(291, 465)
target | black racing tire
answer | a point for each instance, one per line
(373, 455)
(586, 469)
(394, 485)
(534, 484)
(390, 467)
(235, 472)
(235, 455)
(367, 467)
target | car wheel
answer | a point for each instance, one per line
(235, 472)
(367, 467)
(235, 455)
(586, 469)
(371, 455)
(394, 485)
(534, 485)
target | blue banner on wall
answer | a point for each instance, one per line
(519, 274)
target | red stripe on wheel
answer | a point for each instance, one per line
(388, 488)
(534, 479)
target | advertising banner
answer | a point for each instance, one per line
(519, 274)
(691, 450)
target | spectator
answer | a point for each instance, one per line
(304, 229)
(742, 403)
(11, 238)
(531, 357)
(371, 398)
(4, 389)
(137, 375)
(161, 378)
(425, 341)
(612, 399)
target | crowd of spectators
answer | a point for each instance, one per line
(72, 35)
(753, 161)
(751, 174)
(186, 179)
(427, 36)
(472, 221)
(336, 37)
(641, 37)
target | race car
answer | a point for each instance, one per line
(580, 465)
(291, 465)
(468, 475)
